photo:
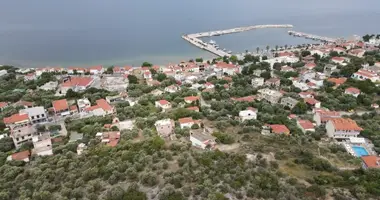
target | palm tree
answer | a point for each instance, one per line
(276, 47)
(268, 47)
(257, 49)
(286, 46)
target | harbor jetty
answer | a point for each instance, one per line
(213, 48)
(313, 37)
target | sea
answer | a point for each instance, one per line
(129, 32)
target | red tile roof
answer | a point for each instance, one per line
(191, 98)
(353, 90)
(371, 161)
(99, 68)
(310, 65)
(16, 118)
(345, 124)
(3, 104)
(73, 108)
(279, 129)
(365, 73)
(306, 124)
(311, 101)
(104, 105)
(285, 54)
(247, 98)
(78, 81)
(337, 59)
(21, 155)
(163, 102)
(194, 108)
(337, 81)
(185, 120)
(60, 105)
(224, 65)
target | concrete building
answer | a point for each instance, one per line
(202, 138)
(257, 82)
(36, 114)
(342, 128)
(248, 114)
(272, 96)
(52, 85)
(42, 145)
(289, 101)
(273, 82)
(164, 127)
(20, 127)
(96, 70)
(83, 104)
(121, 97)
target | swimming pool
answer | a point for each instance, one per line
(359, 151)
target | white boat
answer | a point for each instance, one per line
(212, 42)
(229, 52)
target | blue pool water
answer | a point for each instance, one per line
(360, 151)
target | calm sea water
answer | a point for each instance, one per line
(118, 32)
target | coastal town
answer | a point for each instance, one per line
(312, 108)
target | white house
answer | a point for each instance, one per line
(96, 70)
(209, 85)
(36, 114)
(338, 60)
(305, 125)
(163, 104)
(171, 89)
(147, 75)
(187, 122)
(352, 91)
(3, 72)
(365, 75)
(342, 128)
(248, 114)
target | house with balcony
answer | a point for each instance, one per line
(20, 127)
(363, 74)
(61, 107)
(102, 108)
(342, 128)
(36, 114)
